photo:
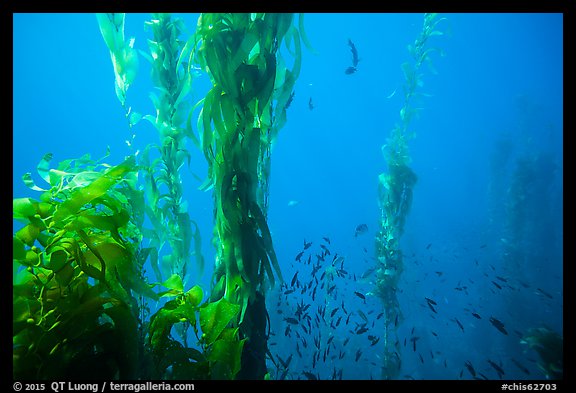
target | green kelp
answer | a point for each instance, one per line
(240, 117)
(550, 347)
(395, 189)
(76, 273)
(219, 347)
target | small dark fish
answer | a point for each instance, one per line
(289, 291)
(382, 314)
(432, 308)
(294, 279)
(309, 375)
(334, 312)
(498, 325)
(362, 330)
(327, 240)
(346, 341)
(355, 58)
(310, 104)
(470, 368)
(497, 368)
(439, 273)
(344, 309)
(290, 99)
(431, 301)
(361, 229)
(338, 321)
(459, 324)
(520, 366)
(428, 246)
(361, 296)
(293, 321)
(497, 285)
(350, 70)
(544, 293)
(299, 256)
(414, 339)
(287, 331)
(435, 334)
(358, 354)
(476, 315)
(307, 245)
(421, 358)
(363, 316)
(501, 279)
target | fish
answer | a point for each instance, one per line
(382, 314)
(307, 245)
(350, 70)
(498, 325)
(299, 256)
(289, 291)
(292, 321)
(497, 368)
(421, 358)
(414, 339)
(354, 51)
(362, 330)
(358, 354)
(520, 366)
(544, 293)
(326, 239)
(431, 301)
(346, 341)
(309, 375)
(363, 316)
(497, 285)
(310, 104)
(470, 368)
(361, 296)
(459, 324)
(476, 315)
(435, 334)
(501, 279)
(428, 246)
(432, 307)
(290, 99)
(334, 312)
(294, 279)
(361, 229)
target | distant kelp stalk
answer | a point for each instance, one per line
(395, 189)
(241, 115)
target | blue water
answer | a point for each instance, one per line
(500, 77)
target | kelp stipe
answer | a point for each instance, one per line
(240, 117)
(395, 189)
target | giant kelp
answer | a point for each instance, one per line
(77, 272)
(240, 117)
(395, 189)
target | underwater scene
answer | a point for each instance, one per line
(267, 196)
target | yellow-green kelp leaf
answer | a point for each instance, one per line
(94, 190)
(225, 357)
(214, 317)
